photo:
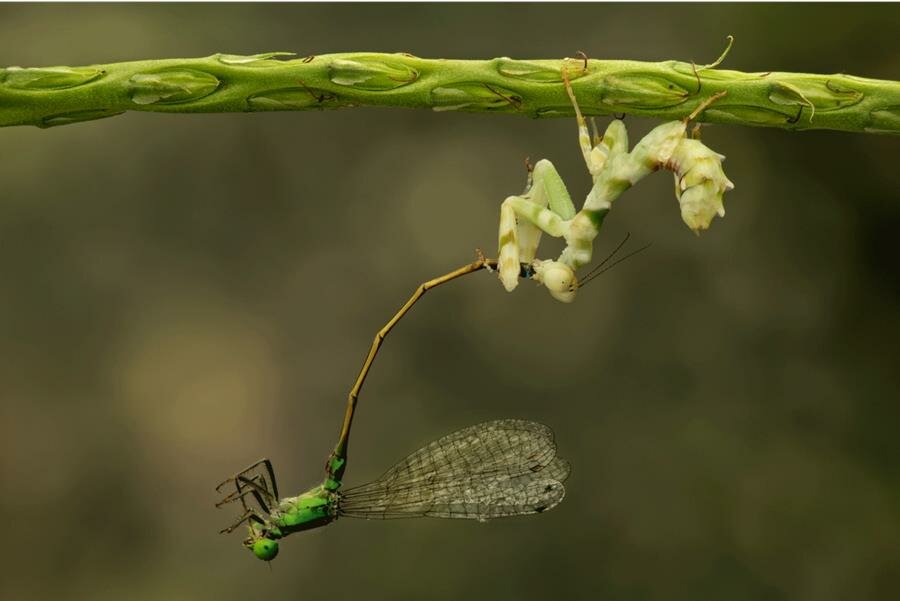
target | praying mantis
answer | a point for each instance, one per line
(546, 207)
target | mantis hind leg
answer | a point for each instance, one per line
(591, 144)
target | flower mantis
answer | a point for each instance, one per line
(546, 207)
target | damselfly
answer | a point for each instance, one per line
(496, 469)
(491, 470)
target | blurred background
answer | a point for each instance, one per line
(183, 294)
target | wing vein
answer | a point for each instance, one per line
(495, 469)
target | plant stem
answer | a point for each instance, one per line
(666, 90)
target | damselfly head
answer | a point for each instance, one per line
(559, 279)
(264, 548)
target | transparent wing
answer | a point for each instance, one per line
(495, 469)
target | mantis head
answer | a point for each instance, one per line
(559, 279)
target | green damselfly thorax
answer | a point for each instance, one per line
(495, 469)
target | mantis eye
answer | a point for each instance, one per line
(265, 549)
(559, 279)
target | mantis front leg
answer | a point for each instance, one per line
(544, 207)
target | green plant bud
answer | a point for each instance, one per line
(473, 95)
(287, 99)
(886, 120)
(715, 74)
(539, 71)
(267, 59)
(171, 87)
(76, 116)
(563, 110)
(49, 78)
(819, 96)
(371, 75)
(749, 114)
(641, 91)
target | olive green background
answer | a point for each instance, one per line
(182, 294)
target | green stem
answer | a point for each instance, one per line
(226, 83)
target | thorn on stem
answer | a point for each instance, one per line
(584, 58)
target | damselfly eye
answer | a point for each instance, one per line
(265, 549)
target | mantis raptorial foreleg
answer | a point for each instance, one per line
(523, 218)
(546, 188)
(547, 207)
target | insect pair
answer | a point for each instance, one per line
(504, 467)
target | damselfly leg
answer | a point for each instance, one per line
(251, 481)
(249, 515)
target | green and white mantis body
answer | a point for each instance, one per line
(495, 469)
(546, 207)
